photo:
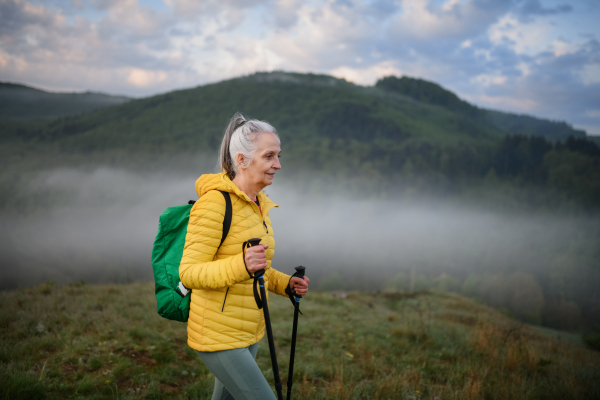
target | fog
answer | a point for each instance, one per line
(99, 226)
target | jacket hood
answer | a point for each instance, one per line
(208, 182)
(221, 181)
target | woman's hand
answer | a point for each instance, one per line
(299, 286)
(256, 258)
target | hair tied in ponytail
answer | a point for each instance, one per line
(241, 143)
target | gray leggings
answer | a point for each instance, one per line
(237, 376)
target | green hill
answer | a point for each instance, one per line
(20, 102)
(432, 93)
(309, 107)
(106, 342)
(403, 130)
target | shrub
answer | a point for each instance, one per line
(398, 283)
(527, 300)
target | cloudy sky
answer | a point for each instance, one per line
(539, 57)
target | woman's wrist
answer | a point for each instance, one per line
(246, 266)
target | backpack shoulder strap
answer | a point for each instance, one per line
(228, 216)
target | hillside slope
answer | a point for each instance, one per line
(20, 102)
(303, 107)
(411, 132)
(97, 342)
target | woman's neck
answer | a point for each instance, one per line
(247, 187)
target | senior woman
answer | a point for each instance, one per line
(225, 324)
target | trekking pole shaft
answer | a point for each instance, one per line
(292, 354)
(263, 294)
(300, 274)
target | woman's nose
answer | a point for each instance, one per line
(277, 164)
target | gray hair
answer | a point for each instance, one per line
(239, 138)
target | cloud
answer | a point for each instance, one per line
(590, 74)
(285, 13)
(553, 86)
(140, 77)
(43, 46)
(367, 75)
(454, 19)
(528, 8)
(494, 52)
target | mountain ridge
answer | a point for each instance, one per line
(20, 102)
(413, 88)
(403, 130)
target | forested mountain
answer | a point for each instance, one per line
(406, 130)
(300, 105)
(20, 102)
(432, 93)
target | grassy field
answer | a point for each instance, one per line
(97, 342)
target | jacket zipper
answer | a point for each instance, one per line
(226, 293)
(261, 217)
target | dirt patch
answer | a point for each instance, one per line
(139, 357)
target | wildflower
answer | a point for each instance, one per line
(350, 355)
(107, 382)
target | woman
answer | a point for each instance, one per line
(225, 325)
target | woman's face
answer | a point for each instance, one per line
(265, 163)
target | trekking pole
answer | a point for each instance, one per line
(262, 303)
(300, 274)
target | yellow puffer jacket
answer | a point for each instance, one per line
(223, 312)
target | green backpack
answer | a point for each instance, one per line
(172, 297)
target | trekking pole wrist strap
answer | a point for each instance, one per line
(244, 245)
(257, 277)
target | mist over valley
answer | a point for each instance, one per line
(98, 226)
(397, 187)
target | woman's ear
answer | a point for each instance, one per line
(239, 160)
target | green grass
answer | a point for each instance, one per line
(97, 342)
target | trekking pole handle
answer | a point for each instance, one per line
(254, 242)
(300, 271)
(299, 274)
(251, 243)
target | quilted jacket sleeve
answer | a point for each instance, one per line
(278, 281)
(205, 229)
